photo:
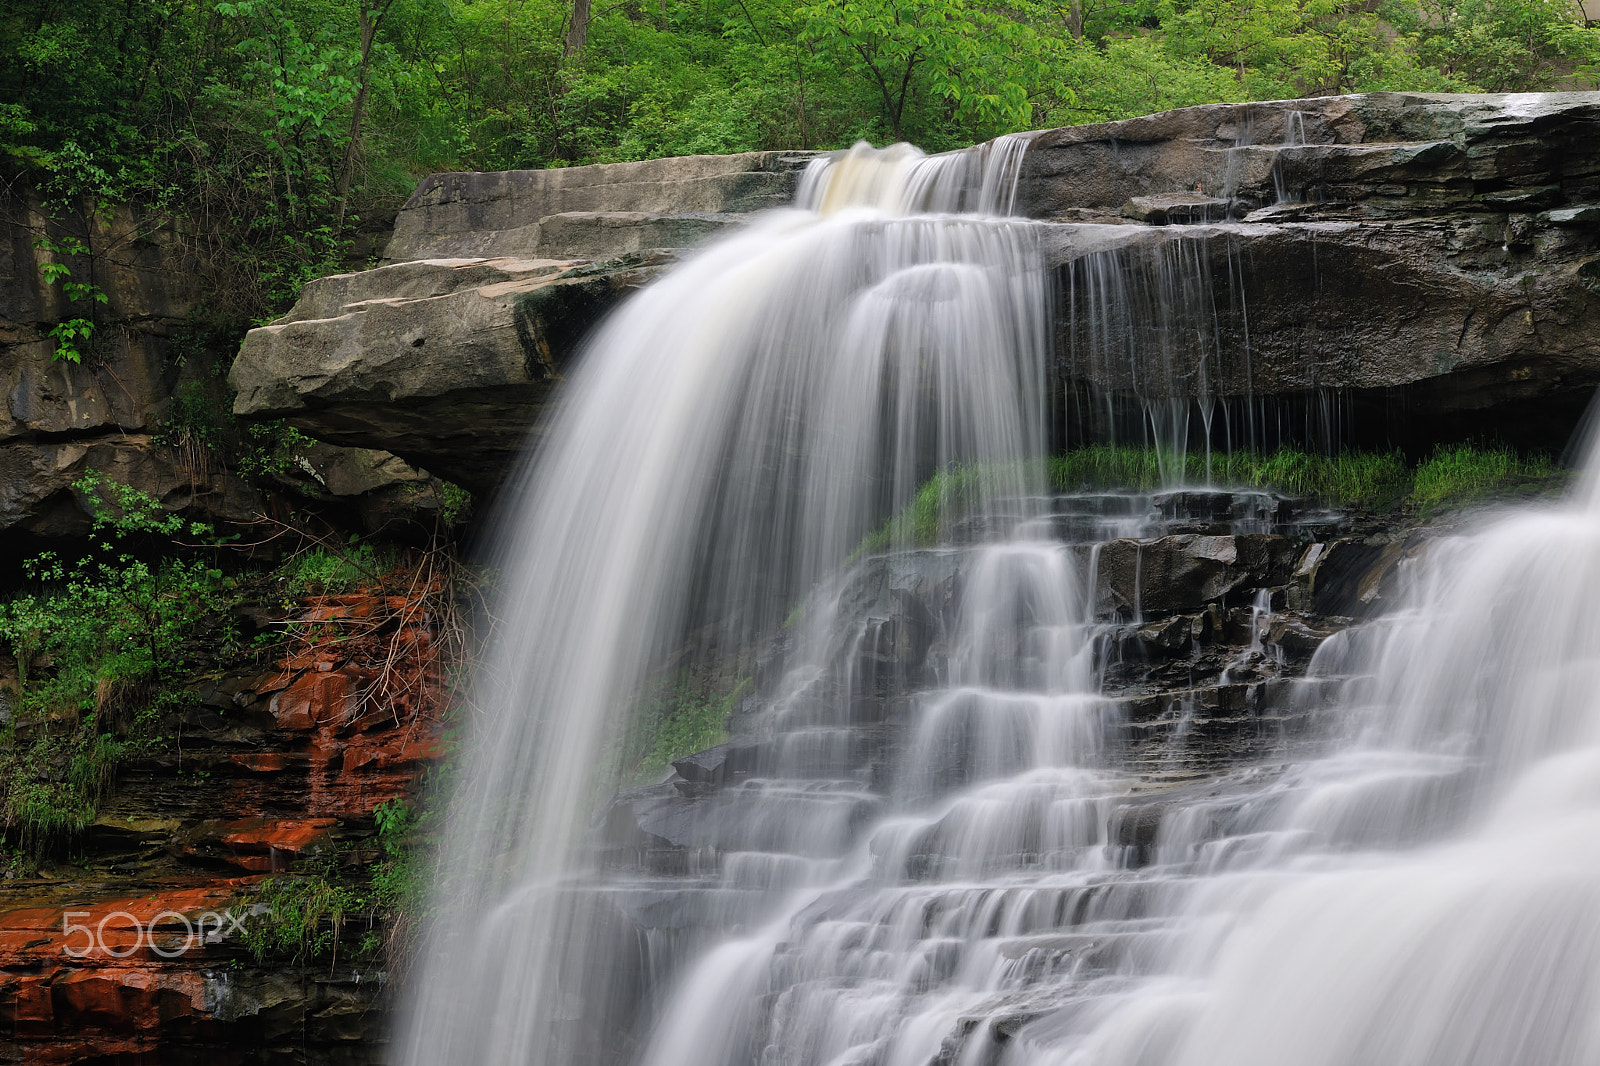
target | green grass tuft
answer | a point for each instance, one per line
(321, 571)
(1369, 479)
(1462, 474)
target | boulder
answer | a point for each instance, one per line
(445, 361)
(1176, 207)
(1188, 571)
(446, 354)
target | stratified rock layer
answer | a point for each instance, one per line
(135, 952)
(1432, 260)
(142, 406)
(1447, 246)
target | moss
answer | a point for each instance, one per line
(678, 719)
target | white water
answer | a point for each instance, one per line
(735, 431)
(923, 865)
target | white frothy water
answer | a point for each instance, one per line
(921, 861)
(1429, 892)
(734, 432)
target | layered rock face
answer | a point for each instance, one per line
(448, 352)
(116, 412)
(1432, 255)
(1428, 261)
(138, 952)
(64, 418)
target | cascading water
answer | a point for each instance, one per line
(934, 836)
(1425, 892)
(738, 428)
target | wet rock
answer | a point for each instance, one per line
(1354, 578)
(1461, 227)
(715, 767)
(1187, 571)
(1175, 208)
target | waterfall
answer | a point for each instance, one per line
(1427, 891)
(932, 837)
(732, 435)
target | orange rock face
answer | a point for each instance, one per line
(140, 959)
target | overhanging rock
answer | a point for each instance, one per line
(448, 352)
(1430, 259)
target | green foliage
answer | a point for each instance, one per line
(98, 646)
(70, 334)
(111, 618)
(1359, 479)
(454, 502)
(195, 419)
(279, 124)
(301, 916)
(333, 570)
(398, 881)
(974, 67)
(54, 784)
(273, 448)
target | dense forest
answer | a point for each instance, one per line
(276, 126)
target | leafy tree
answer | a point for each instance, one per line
(278, 129)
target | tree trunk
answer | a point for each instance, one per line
(370, 20)
(578, 28)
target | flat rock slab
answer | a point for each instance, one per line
(590, 210)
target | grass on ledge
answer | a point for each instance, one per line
(1368, 479)
(1455, 475)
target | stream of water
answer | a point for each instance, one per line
(911, 852)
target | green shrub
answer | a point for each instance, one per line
(99, 645)
(454, 502)
(335, 570)
(302, 916)
(273, 448)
